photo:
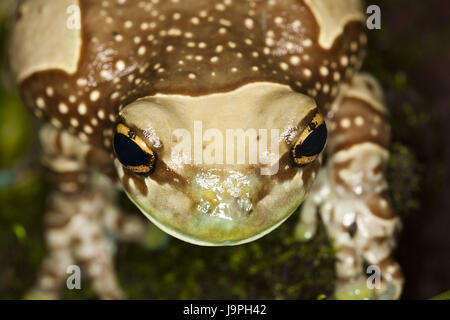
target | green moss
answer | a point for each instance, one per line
(275, 267)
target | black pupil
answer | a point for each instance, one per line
(314, 143)
(129, 152)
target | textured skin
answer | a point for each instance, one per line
(134, 49)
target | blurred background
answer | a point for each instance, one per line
(410, 55)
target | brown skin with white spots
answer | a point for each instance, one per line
(150, 65)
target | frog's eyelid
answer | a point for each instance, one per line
(123, 129)
(306, 129)
(316, 129)
(144, 168)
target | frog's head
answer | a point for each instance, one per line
(220, 169)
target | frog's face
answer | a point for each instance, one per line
(173, 158)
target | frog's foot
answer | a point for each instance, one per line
(362, 226)
(381, 281)
(353, 289)
(351, 194)
(76, 219)
(55, 264)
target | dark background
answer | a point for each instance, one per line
(410, 55)
(414, 46)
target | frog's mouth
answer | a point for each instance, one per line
(213, 207)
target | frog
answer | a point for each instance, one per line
(113, 81)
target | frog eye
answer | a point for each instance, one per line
(132, 152)
(310, 143)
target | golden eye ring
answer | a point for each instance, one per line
(310, 143)
(132, 152)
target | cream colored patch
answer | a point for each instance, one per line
(45, 37)
(366, 88)
(363, 87)
(332, 17)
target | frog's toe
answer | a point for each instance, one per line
(389, 290)
(306, 226)
(354, 290)
(304, 232)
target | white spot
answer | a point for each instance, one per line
(278, 20)
(82, 109)
(40, 103)
(270, 42)
(115, 95)
(94, 96)
(307, 43)
(307, 73)
(295, 60)
(144, 26)
(345, 123)
(88, 129)
(120, 65)
(284, 66)
(63, 108)
(142, 50)
(74, 122)
(225, 22)
(344, 61)
(49, 91)
(337, 76)
(324, 71)
(81, 82)
(249, 23)
(101, 114)
(220, 7)
(359, 121)
(118, 37)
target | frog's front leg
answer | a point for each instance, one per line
(74, 221)
(351, 193)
